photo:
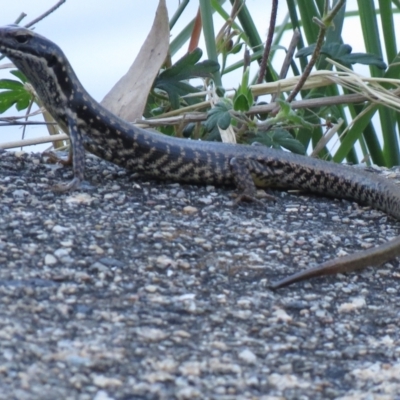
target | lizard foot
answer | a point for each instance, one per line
(67, 187)
(54, 158)
(251, 198)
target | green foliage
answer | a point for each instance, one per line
(173, 79)
(14, 93)
(19, 75)
(374, 130)
(342, 53)
(243, 99)
(219, 116)
(287, 115)
(280, 138)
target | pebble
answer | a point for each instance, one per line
(117, 293)
(248, 356)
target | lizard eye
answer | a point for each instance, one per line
(22, 38)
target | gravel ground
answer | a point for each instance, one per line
(144, 290)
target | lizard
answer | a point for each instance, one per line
(93, 128)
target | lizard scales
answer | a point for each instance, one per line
(93, 128)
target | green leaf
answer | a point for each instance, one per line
(283, 138)
(9, 98)
(278, 139)
(243, 98)
(188, 130)
(342, 54)
(23, 103)
(11, 84)
(157, 111)
(178, 70)
(177, 89)
(19, 75)
(236, 48)
(219, 116)
(287, 115)
(240, 103)
(332, 50)
(188, 70)
(188, 67)
(363, 58)
(15, 93)
(262, 139)
(285, 108)
(224, 120)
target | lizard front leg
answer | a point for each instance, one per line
(78, 159)
(54, 158)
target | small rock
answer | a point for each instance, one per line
(190, 210)
(59, 229)
(50, 260)
(151, 334)
(248, 356)
(102, 395)
(103, 381)
(164, 262)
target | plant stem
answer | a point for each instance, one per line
(267, 50)
(323, 25)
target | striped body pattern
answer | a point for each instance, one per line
(93, 128)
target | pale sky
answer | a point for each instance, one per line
(102, 38)
(105, 34)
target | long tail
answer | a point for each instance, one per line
(371, 257)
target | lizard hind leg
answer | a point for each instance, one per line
(242, 172)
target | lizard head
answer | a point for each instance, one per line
(27, 49)
(42, 62)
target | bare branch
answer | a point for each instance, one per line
(30, 142)
(44, 15)
(24, 123)
(289, 55)
(288, 59)
(267, 50)
(324, 25)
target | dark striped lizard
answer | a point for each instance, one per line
(93, 128)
